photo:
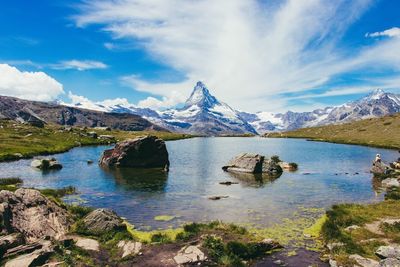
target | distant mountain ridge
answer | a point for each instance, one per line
(204, 114)
(376, 104)
(23, 110)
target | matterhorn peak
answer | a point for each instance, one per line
(375, 94)
(201, 97)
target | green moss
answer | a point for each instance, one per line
(59, 192)
(316, 228)
(10, 181)
(164, 218)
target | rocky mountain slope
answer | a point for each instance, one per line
(202, 114)
(376, 104)
(38, 113)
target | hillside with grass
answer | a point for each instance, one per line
(378, 132)
(19, 140)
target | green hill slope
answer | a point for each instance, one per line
(378, 132)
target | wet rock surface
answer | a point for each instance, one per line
(253, 163)
(141, 152)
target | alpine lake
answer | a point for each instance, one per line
(151, 199)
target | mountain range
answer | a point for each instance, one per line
(40, 113)
(204, 114)
(201, 114)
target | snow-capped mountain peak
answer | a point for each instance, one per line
(374, 95)
(201, 97)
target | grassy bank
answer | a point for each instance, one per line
(379, 132)
(25, 141)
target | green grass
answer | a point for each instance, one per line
(378, 132)
(341, 216)
(25, 141)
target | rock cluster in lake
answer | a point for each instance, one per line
(46, 164)
(253, 163)
(141, 152)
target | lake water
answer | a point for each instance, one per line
(328, 174)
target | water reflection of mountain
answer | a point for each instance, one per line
(253, 180)
(146, 180)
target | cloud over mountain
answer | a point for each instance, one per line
(249, 50)
(28, 85)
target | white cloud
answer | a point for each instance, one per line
(80, 65)
(243, 50)
(28, 85)
(392, 32)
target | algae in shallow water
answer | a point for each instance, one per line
(165, 218)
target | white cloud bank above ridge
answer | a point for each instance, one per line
(245, 51)
(28, 85)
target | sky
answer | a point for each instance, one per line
(255, 55)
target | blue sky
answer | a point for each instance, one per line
(254, 55)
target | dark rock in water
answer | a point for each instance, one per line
(89, 161)
(103, 220)
(28, 212)
(142, 152)
(217, 197)
(253, 163)
(228, 183)
(46, 164)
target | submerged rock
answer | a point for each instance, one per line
(28, 212)
(142, 152)
(217, 197)
(253, 163)
(103, 220)
(46, 164)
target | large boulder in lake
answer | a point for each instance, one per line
(28, 212)
(141, 152)
(253, 163)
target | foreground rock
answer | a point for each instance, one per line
(253, 163)
(103, 220)
(28, 212)
(129, 247)
(364, 262)
(189, 254)
(142, 152)
(46, 164)
(388, 252)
